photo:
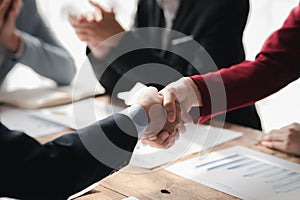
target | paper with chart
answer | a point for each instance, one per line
(197, 138)
(244, 173)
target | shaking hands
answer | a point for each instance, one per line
(168, 110)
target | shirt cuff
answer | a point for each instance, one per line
(20, 51)
(139, 118)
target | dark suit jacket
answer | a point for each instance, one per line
(275, 66)
(62, 167)
(217, 25)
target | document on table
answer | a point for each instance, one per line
(78, 114)
(197, 138)
(21, 120)
(244, 173)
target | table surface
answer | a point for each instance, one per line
(161, 184)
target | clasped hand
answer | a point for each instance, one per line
(175, 101)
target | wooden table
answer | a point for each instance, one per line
(163, 185)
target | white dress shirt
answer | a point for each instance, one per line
(139, 118)
(170, 8)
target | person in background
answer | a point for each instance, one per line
(26, 39)
(216, 25)
(70, 163)
(275, 66)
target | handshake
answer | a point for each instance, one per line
(168, 111)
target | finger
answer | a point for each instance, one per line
(100, 8)
(97, 17)
(73, 19)
(82, 18)
(259, 137)
(178, 112)
(150, 137)
(163, 136)
(274, 145)
(89, 17)
(11, 16)
(157, 143)
(169, 103)
(4, 7)
(17, 6)
(181, 128)
(169, 141)
(273, 137)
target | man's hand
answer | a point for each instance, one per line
(286, 139)
(166, 139)
(178, 99)
(185, 92)
(97, 27)
(152, 101)
(10, 37)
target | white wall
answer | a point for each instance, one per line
(266, 16)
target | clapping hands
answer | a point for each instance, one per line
(94, 28)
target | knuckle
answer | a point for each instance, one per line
(290, 135)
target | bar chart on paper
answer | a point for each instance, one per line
(244, 173)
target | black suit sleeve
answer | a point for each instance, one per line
(64, 166)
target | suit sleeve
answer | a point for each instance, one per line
(43, 53)
(64, 166)
(275, 66)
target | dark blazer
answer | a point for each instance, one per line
(217, 25)
(275, 67)
(64, 166)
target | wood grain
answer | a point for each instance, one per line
(162, 185)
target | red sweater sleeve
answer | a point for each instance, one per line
(277, 65)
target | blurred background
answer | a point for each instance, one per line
(265, 16)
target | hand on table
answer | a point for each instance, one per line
(286, 139)
(10, 37)
(96, 27)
